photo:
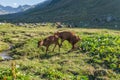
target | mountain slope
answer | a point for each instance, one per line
(80, 12)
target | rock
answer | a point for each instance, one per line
(43, 24)
(59, 25)
(116, 26)
(109, 18)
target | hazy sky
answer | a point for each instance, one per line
(15, 3)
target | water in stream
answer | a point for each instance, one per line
(4, 55)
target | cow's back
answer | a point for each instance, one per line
(66, 34)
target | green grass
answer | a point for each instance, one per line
(3, 46)
(98, 57)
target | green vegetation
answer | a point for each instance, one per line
(104, 49)
(98, 56)
(3, 46)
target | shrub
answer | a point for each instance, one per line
(104, 49)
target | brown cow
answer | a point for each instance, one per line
(69, 36)
(48, 41)
(74, 40)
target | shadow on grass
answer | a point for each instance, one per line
(52, 54)
(48, 55)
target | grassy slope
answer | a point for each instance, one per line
(33, 62)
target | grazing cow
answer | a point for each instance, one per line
(49, 41)
(69, 36)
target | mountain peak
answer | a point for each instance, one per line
(9, 9)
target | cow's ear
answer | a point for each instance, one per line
(41, 43)
(56, 36)
(57, 32)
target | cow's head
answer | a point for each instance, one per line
(40, 43)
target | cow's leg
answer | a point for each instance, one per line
(61, 43)
(73, 46)
(47, 48)
(54, 48)
(59, 46)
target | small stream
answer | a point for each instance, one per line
(4, 54)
